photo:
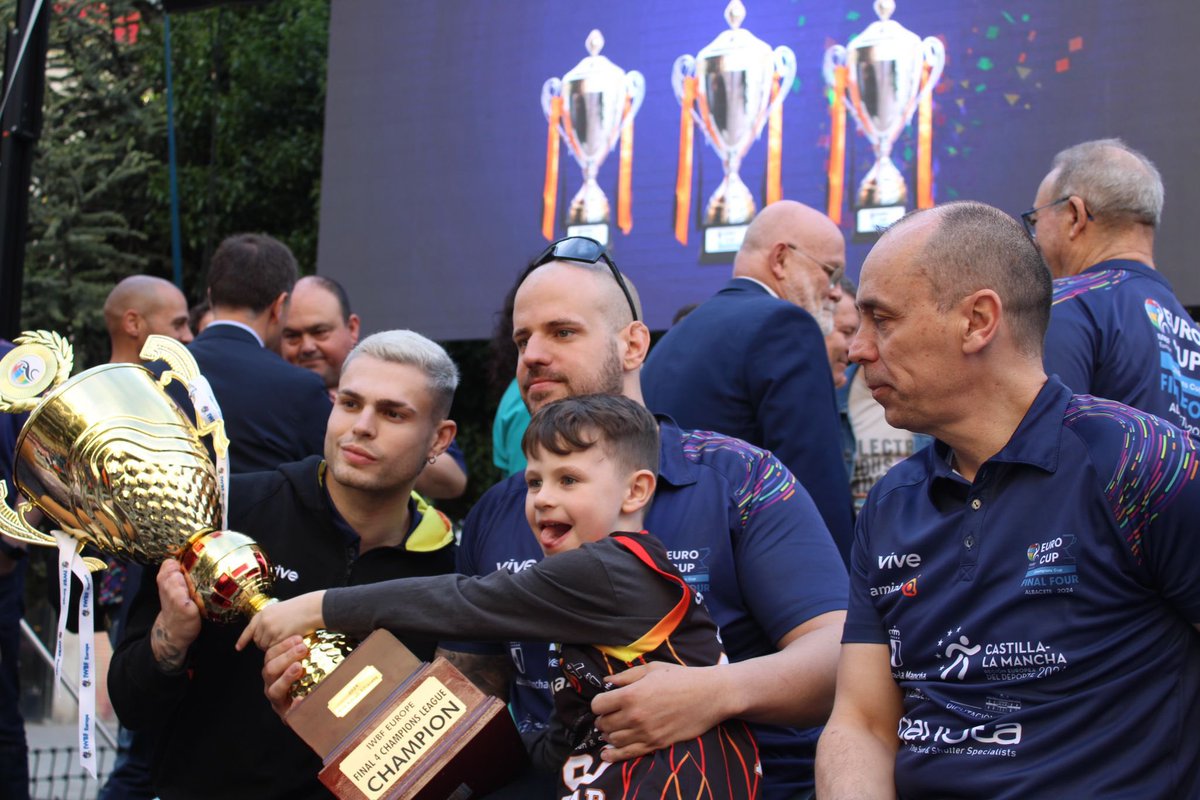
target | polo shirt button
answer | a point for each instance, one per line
(969, 541)
(976, 503)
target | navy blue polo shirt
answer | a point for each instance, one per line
(741, 531)
(1040, 619)
(1117, 331)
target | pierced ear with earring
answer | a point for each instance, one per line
(431, 459)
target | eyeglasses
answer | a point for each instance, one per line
(1030, 221)
(583, 250)
(835, 274)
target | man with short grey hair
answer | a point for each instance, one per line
(345, 519)
(1116, 327)
(1028, 575)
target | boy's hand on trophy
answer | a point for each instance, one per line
(300, 615)
(282, 668)
(178, 622)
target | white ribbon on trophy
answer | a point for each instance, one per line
(71, 563)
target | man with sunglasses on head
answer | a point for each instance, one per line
(750, 362)
(735, 523)
(1116, 328)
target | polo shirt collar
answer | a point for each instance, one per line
(1037, 441)
(673, 467)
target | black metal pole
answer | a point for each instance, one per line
(20, 127)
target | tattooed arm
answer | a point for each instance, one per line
(148, 675)
(178, 623)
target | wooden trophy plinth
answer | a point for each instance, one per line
(389, 726)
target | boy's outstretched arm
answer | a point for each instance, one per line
(299, 616)
(659, 704)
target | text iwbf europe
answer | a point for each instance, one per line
(404, 735)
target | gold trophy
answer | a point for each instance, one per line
(111, 458)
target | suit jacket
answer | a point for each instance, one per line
(275, 412)
(753, 366)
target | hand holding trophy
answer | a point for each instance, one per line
(111, 458)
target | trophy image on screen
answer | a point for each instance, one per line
(116, 464)
(729, 89)
(591, 108)
(882, 74)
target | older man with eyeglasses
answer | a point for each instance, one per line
(750, 361)
(1116, 327)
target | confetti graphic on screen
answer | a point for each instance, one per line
(1001, 68)
(996, 72)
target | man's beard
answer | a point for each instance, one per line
(824, 318)
(608, 379)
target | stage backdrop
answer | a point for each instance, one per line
(435, 139)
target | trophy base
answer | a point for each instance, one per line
(721, 243)
(388, 726)
(596, 230)
(869, 223)
(730, 204)
(882, 186)
(589, 206)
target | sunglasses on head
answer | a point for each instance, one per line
(583, 250)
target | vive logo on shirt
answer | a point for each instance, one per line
(512, 565)
(282, 573)
(900, 561)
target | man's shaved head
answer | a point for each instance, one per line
(787, 220)
(142, 305)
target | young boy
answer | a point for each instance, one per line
(590, 478)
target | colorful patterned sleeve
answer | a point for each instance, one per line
(789, 568)
(1152, 488)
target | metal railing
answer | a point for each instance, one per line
(55, 772)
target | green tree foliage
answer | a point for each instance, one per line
(249, 97)
(89, 198)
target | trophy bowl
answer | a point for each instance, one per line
(111, 458)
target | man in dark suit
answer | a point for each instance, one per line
(750, 362)
(274, 412)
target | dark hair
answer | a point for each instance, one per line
(250, 270)
(976, 246)
(622, 427)
(338, 291)
(502, 367)
(195, 314)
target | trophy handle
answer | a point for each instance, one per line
(785, 67)
(685, 67)
(835, 57)
(13, 524)
(183, 367)
(935, 56)
(635, 85)
(550, 89)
